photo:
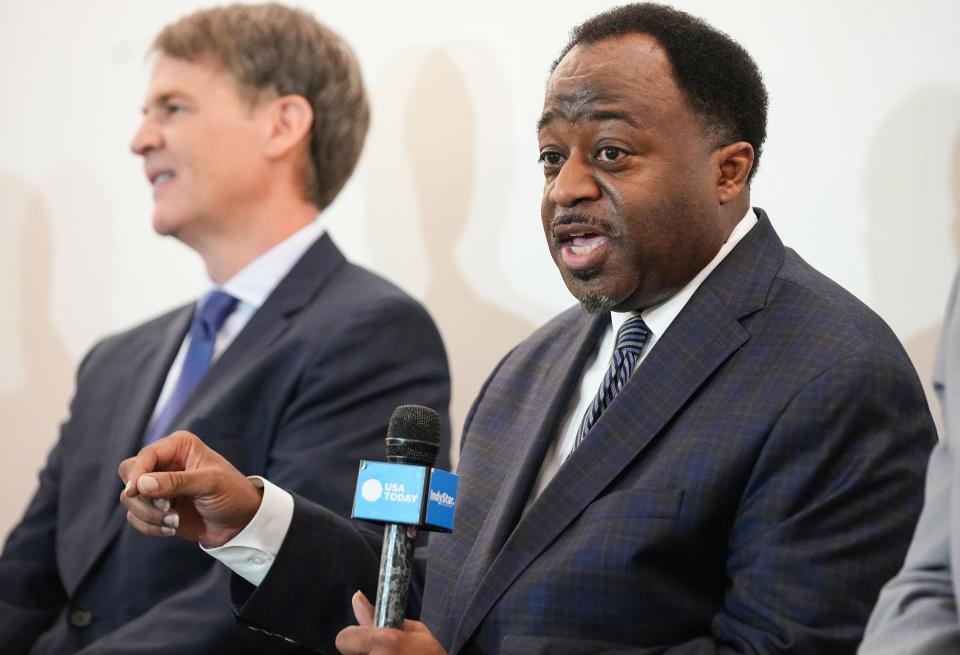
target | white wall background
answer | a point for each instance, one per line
(861, 173)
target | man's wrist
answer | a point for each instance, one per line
(220, 535)
(250, 553)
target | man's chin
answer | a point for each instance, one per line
(595, 303)
(164, 225)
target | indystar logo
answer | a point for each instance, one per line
(442, 498)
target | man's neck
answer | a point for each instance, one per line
(227, 253)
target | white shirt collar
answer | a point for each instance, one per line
(253, 283)
(659, 317)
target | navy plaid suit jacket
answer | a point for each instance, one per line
(749, 490)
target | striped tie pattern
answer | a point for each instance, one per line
(630, 339)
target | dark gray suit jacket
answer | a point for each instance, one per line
(748, 491)
(917, 610)
(302, 394)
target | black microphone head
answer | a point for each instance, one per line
(413, 436)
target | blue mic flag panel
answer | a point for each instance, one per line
(405, 494)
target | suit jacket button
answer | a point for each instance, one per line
(81, 618)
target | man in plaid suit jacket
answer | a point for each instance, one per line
(747, 491)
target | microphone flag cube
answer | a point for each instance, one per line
(405, 494)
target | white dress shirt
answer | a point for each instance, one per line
(251, 553)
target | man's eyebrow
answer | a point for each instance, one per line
(160, 100)
(601, 115)
(545, 120)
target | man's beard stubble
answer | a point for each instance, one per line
(591, 301)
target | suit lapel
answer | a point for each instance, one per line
(144, 379)
(705, 333)
(518, 459)
(267, 325)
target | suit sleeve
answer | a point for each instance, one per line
(31, 592)
(381, 355)
(917, 609)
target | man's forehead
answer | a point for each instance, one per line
(614, 79)
(589, 105)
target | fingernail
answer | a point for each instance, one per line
(161, 504)
(128, 486)
(173, 520)
(148, 484)
(169, 532)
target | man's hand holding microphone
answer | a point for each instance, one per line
(179, 486)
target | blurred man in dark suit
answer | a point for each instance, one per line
(719, 450)
(290, 365)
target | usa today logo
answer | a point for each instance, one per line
(371, 490)
(393, 492)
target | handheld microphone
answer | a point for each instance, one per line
(413, 437)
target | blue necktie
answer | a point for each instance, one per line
(630, 339)
(212, 311)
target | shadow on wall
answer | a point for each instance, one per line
(913, 197)
(439, 133)
(38, 366)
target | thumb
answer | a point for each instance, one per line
(171, 484)
(362, 609)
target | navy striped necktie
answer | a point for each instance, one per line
(630, 339)
(208, 318)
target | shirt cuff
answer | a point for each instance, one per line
(251, 553)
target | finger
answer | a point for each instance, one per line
(362, 609)
(148, 528)
(146, 510)
(171, 484)
(409, 625)
(166, 453)
(132, 468)
(357, 640)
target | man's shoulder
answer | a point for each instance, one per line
(133, 339)
(355, 294)
(817, 304)
(774, 293)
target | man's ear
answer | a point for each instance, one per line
(733, 164)
(290, 120)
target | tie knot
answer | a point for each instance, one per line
(214, 309)
(632, 335)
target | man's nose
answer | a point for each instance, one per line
(575, 182)
(146, 138)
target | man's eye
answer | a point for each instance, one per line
(610, 153)
(171, 108)
(550, 158)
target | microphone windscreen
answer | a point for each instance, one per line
(413, 436)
